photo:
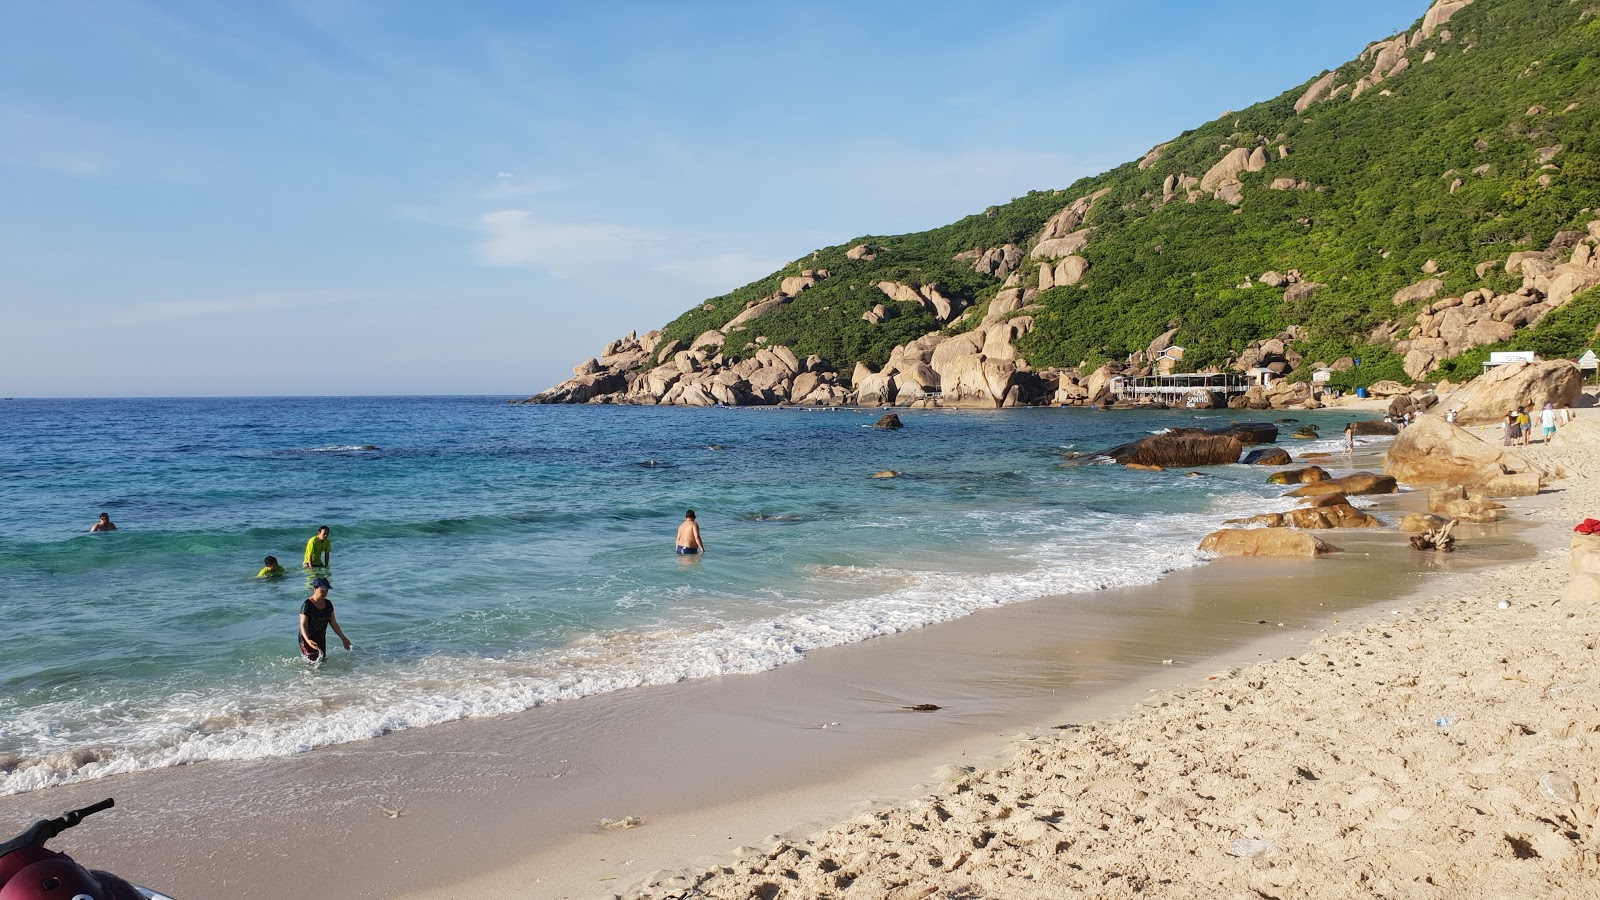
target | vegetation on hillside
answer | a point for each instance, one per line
(1506, 78)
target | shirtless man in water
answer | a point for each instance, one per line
(104, 524)
(689, 535)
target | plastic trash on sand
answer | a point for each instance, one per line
(1558, 786)
(1249, 848)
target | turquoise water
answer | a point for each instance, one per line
(489, 557)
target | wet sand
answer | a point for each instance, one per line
(513, 806)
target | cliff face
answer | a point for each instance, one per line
(1428, 200)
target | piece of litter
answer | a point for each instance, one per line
(1248, 848)
(1504, 605)
(624, 822)
(1166, 662)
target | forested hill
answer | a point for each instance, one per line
(1349, 215)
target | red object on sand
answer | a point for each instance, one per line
(1588, 526)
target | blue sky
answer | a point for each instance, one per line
(385, 197)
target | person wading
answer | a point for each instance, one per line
(316, 614)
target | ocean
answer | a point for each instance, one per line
(490, 557)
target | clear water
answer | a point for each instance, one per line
(488, 558)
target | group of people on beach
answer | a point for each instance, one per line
(1516, 429)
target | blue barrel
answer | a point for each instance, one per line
(1361, 393)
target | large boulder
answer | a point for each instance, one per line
(1420, 522)
(1584, 587)
(1374, 427)
(1180, 447)
(1354, 484)
(1264, 542)
(1268, 456)
(1453, 503)
(876, 389)
(1487, 398)
(1308, 475)
(1250, 432)
(1330, 515)
(1433, 451)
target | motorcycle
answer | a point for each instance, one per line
(28, 871)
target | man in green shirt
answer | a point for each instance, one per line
(317, 550)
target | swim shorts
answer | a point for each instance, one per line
(687, 551)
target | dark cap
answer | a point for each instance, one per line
(320, 582)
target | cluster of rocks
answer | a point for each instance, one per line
(1454, 325)
(1389, 58)
(640, 370)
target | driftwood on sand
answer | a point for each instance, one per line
(1436, 539)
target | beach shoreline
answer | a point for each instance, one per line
(1457, 763)
(424, 812)
(502, 807)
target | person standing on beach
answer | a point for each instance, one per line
(1547, 422)
(1525, 427)
(1509, 432)
(689, 535)
(316, 614)
(318, 552)
(1349, 438)
(104, 524)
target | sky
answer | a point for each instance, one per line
(294, 197)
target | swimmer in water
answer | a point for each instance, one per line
(270, 568)
(104, 524)
(689, 535)
(318, 550)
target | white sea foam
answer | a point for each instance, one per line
(1058, 552)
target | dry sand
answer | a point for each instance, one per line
(1447, 748)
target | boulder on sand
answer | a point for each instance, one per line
(1299, 476)
(1418, 523)
(1330, 515)
(1487, 398)
(1433, 451)
(1354, 484)
(1264, 542)
(1268, 456)
(1452, 502)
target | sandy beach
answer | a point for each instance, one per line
(1100, 744)
(1444, 747)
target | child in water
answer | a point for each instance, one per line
(270, 568)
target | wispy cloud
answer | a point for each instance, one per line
(514, 237)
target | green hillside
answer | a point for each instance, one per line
(1372, 205)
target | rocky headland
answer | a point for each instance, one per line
(1309, 234)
